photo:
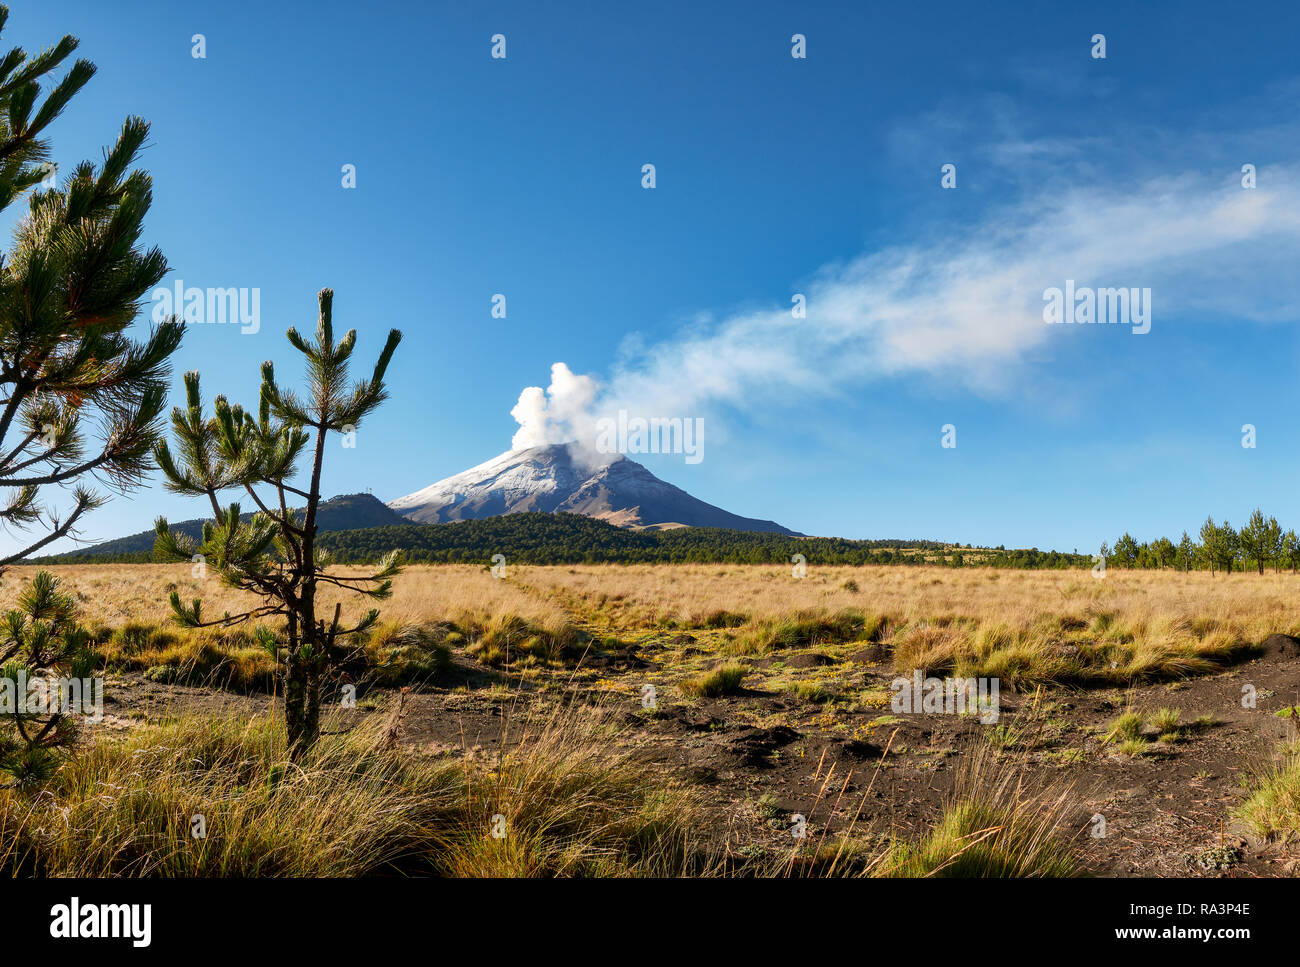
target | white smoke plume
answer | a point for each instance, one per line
(558, 414)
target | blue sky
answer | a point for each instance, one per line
(775, 176)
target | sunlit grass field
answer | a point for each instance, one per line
(1025, 627)
(573, 788)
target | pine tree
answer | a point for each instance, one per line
(1273, 538)
(80, 402)
(1217, 549)
(1291, 550)
(1126, 550)
(1229, 547)
(1260, 539)
(39, 634)
(1162, 551)
(274, 554)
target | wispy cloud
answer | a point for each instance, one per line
(968, 305)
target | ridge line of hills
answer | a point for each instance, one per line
(344, 512)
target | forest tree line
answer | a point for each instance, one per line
(538, 538)
(1261, 542)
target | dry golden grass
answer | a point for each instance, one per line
(646, 595)
(1020, 626)
(115, 594)
(1273, 809)
(994, 826)
(125, 606)
(563, 800)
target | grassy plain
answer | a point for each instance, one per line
(686, 719)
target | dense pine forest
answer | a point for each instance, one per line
(574, 539)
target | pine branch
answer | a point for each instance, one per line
(61, 530)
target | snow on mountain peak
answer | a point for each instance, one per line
(567, 478)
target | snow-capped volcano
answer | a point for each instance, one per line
(559, 478)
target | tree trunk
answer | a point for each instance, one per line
(295, 708)
(311, 719)
(303, 679)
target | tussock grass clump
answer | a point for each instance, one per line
(1006, 736)
(715, 684)
(356, 805)
(993, 826)
(1273, 809)
(719, 618)
(1133, 747)
(508, 637)
(1126, 727)
(1128, 734)
(1167, 723)
(975, 839)
(814, 692)
(803, 629)
(400, 654)
(226, 658)
(135, 637)
(930, 648)
(1131, 732)
(573, 803)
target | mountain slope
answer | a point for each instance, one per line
(345, 512)
(557, 479)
